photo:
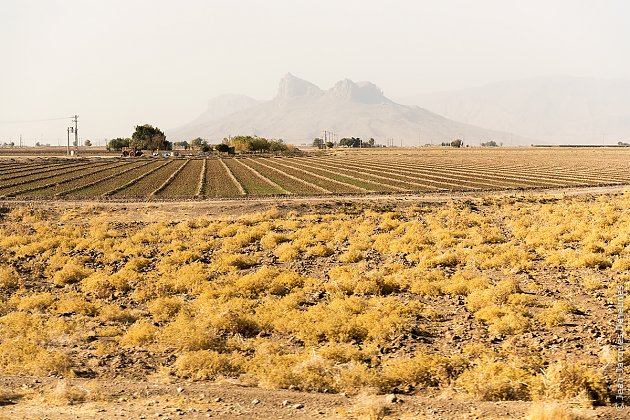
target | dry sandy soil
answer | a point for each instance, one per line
(49, 398)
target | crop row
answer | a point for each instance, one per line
(252, 182)
(453, 178)
(109, 184)
(219, 181)
(312, 177)
(531, 175)
(27, 183)
(77, 182)
(288, 182)
(40, 172)
(100, 178)
(185, 181)
(306, 175)
(146, 183)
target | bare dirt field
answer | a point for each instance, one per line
(337, 173)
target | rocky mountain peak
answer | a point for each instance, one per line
(363, 92)
(291, 87)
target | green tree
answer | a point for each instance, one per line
(277, 146)
(118, 143)
(87, 143)
(351, 142)
(371, 142)
(457, 143)
(256, 144)
(329, 144)
(197, 143)
(183, 144)
(147, 137)
(317, 142)
(224, 148)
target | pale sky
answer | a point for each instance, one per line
(122, 63)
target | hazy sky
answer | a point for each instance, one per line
(122, 63)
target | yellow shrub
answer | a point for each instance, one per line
(557, 314)
(313, 373)
(343, 353)
(139, 334)
(421, 370)
(164, 308)
(352, 319)
(287, 252)
(232, 262)
(352, 255)
(229, 231)
(37, 302)
(22, 324)
(192, 277)
(491, 380)
(621, 264)
(593, 283)
(497, 294)
(9, 278)
(319, 250)
(273, 239)
(98, 284)
(267, 280)
(72, 272)
(137, 264)
(427, 283)
(188, 333)
(234, 317)
(206, 364)
(503, 320)
(114, 313)
(24, 356)
(465, 282)
(75, 304)
(592, 260)
(564, 380)
(449, 259)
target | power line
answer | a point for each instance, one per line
(30, 121)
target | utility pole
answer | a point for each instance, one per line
(68, 147)
(76, 130)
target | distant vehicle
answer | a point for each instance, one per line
(129, 152)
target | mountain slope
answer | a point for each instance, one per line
(301, 111)
(555, 110)
(218, 107)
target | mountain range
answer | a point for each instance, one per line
(301, 111)
(553, 110)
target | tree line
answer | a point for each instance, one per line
(147, 137)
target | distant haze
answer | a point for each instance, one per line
(552, 110)
(121, 63)
(301, 111)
